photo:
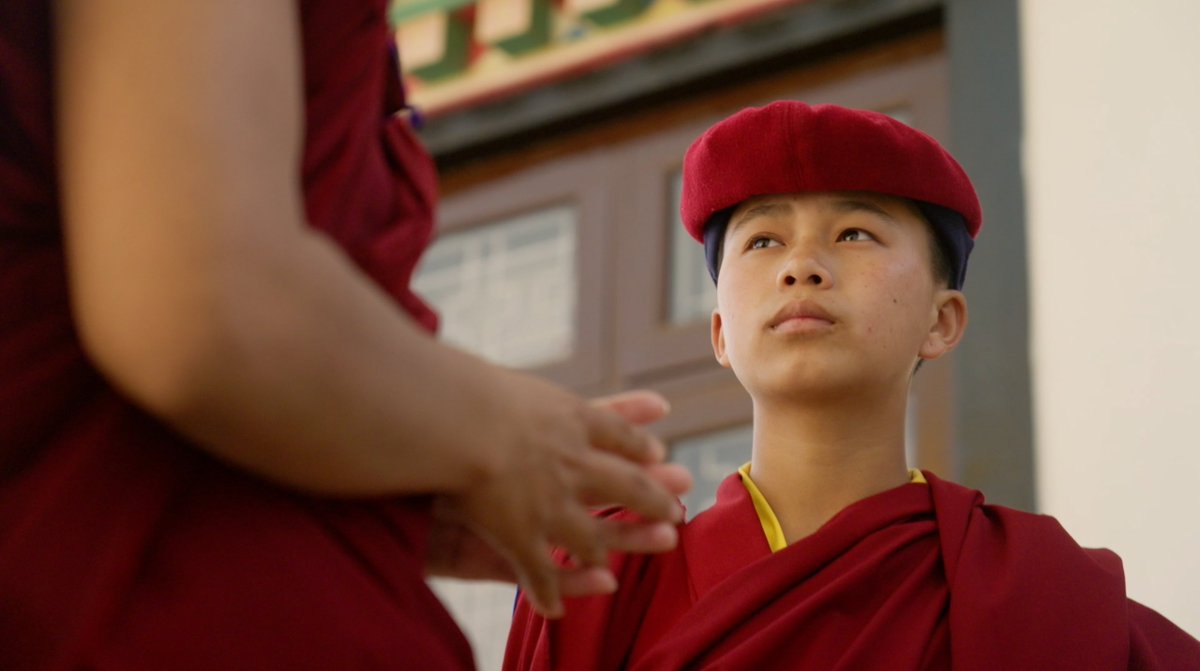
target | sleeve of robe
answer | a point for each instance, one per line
(1024, 593)
(1156, 644)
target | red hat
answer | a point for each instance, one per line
(791, 147)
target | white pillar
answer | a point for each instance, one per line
(1112, 164)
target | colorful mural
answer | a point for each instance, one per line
(458, 53)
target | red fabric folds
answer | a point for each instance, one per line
(918, 577)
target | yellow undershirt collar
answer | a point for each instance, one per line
(766, 517)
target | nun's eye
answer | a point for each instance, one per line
(854, 235)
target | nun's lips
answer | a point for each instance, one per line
(801, 316)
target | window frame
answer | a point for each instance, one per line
(571, 181)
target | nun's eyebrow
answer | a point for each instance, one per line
(766, 208)
(851, 205)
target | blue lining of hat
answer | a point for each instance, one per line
(949, 227)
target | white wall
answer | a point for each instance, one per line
(1112, 168)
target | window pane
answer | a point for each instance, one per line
(711, 457)
(507, 290)
(692, 295)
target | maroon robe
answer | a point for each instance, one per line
(121, 544)
(918, 577)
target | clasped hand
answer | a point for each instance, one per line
(561, 457)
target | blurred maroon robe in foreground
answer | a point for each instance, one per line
(122, 545)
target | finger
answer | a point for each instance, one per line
(586, 581)
(606, 479)
(608, 431)
(639, 536)
(639, 406)
(676, 478)
(539, 579)
(581, 535)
